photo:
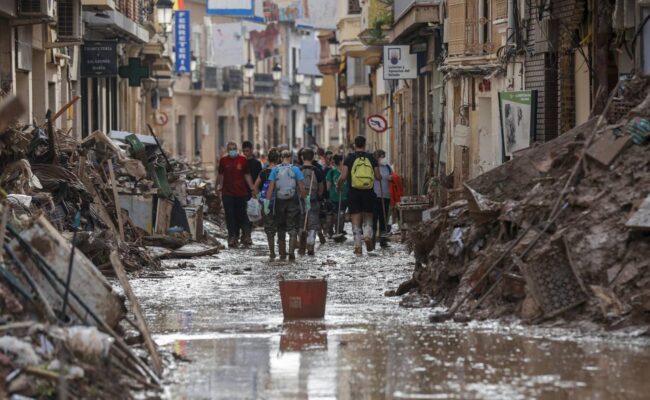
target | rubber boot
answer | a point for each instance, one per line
(301, 247)
(358, 235)
(311, 242)
(368, 235)
(271, 241)
(321, 237)
(383, 242)
(293, 242)
(246, 240)
(282, 248)
(329, 226)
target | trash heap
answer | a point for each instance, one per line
(64, 330)
(561, 232)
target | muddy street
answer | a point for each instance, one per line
(223, 314)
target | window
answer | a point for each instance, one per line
(180, 136)
(221, 140)
(354, 7)
(250, 128)
(198, 132)
(357, 72)
(500, 9)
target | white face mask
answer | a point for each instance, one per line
(383, 161)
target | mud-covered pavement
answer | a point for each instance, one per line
(224, 315)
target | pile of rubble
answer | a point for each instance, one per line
(561, 232)
(64, 330)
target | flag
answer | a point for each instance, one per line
(179, 5)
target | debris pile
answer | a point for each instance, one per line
(561, 230)
(64, 330)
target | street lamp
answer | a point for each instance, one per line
(307, 81)
(318, 81)
(249, 70)
(334, 46)
(164, 12)
(300, 78)
(277, 72)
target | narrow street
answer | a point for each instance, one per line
(223, 314)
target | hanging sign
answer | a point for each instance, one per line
(99, 58)
(231, 8)
(182, 30)
(377, 123)
(518, 112)
(399, 63)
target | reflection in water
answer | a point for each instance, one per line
(303, 336)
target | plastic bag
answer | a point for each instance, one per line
(254, 210)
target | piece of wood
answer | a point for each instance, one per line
(641, 218)
(608, 147)
(116, 197)
(163, 216)
(101, 209)
(9, 110)
(137, 312)
(65, 107)
(189, 254)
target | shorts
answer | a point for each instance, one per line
(361, 201)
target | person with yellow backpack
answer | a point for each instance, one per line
(361, 169)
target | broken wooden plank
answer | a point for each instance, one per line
(116, 198)
(163, 216)
(608, 147)
(87, 281)
(641, 218)
(137, 312)
(189, 254)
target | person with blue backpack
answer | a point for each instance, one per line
(261, 188)
(286, 188)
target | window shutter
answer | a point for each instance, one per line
(500, 9)
(457, 18)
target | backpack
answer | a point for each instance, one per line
(265, 185)
(363, 174)
(310, 173)
(285, 182)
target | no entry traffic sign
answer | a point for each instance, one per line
(377, 123)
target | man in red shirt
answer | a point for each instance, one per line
(234, 182)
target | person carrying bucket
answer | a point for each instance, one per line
(382, 203)
(261, 188)
(286, 189)
(361, 169)
(314, 184)
(338, 199)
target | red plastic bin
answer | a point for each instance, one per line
(304, 298)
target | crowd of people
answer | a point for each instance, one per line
(308, 196)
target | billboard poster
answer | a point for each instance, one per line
(229, 45)
(518, 113)
(231, 8)
(399, 63)
(182, 41)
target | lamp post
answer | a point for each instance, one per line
(164, 13)
(318, 81)
(334, 46)
(249, 72)
(277, 72)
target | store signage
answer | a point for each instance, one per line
(518, 112)
(377, 123)
(231, 8)
(399, 63)
(99, 59)
(182, 34)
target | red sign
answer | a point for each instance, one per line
(377, 123)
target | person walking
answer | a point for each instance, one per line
(261, 188)
(314, 183)
(382, 202)
(254, 167)
(234, 182)
(287, 188)
(335, 216)
(361, 169)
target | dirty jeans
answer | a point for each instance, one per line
(313, 220)
(286, 214)
(236, 218)
(270, 226)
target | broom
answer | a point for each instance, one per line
(340, 236)
(303, 235)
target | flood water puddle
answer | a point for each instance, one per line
(224, 315)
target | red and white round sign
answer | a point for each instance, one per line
(377, 123)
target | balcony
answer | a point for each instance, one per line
(470, 34)
(348, 30)
(328, 64)
(111, 24)
(264, 84)
(410, 15)
(98, 5)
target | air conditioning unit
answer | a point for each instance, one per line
(36, 8)
(546, 36)
(68, 20)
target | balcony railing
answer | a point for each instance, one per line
(475, 39)
(264, 84)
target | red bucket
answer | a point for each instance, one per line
(303, 298)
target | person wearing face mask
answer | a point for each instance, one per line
(234, 182)
(382, 191)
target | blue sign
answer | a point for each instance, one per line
(231, 8)
(182, 34)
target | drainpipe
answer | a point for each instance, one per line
(511, 22)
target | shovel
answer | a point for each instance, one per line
(340, 236)
(62, 315)
(384, 234)
(303, 235)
